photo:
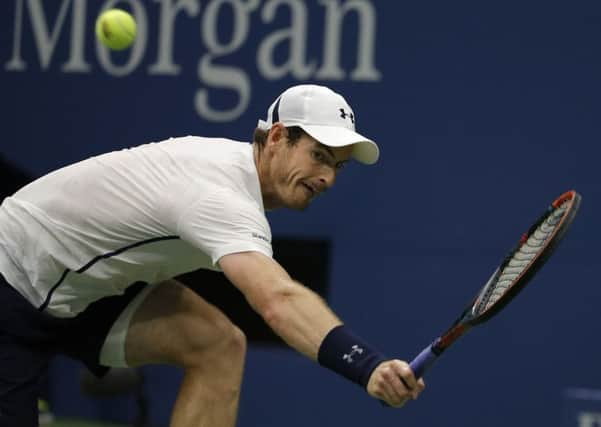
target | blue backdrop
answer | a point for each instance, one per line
(484, 111)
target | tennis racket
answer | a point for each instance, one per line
(516, 270)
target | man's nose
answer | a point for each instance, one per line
(328, 177)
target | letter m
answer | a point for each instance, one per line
(46, 38)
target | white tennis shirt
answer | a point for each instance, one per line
(148, 213)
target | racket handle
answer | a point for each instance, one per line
(419, 365)
(423, 362)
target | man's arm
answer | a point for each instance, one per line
(304, 320)
(293, 311)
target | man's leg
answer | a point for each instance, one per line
(20, 372)
(24, 338)
(176, 326)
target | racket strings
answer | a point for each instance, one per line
(522, 257)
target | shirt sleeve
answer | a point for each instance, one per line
(224, 223)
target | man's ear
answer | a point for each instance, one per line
(278, 134)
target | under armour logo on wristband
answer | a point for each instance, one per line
(354, 350)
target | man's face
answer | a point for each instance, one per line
(302, 171)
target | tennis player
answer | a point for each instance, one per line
(88, 254)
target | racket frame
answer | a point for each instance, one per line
(468, 317)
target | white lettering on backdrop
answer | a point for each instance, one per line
(292, 37)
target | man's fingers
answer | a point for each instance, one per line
(399, 391)
(394, 382)
(391, 394)
(405, 375)
(400, 383)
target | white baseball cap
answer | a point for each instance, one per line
(323, 114)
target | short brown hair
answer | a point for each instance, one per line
(294, 134)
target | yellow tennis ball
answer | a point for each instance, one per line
(116, 29)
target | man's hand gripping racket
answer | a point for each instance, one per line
(516, 270)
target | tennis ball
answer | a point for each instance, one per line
(116, 29)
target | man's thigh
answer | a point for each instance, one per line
(172, 325)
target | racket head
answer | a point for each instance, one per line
(523, 262)
(553, 225)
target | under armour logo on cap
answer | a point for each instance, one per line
(344, 115)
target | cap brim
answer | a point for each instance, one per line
(365, 150)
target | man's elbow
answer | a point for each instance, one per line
(273, 307)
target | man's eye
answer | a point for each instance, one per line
(318, 155)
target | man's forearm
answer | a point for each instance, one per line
(301, 318)
(306, 323)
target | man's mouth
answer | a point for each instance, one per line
(310, 189)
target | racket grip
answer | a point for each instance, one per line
(420, 364)
(423, 362)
